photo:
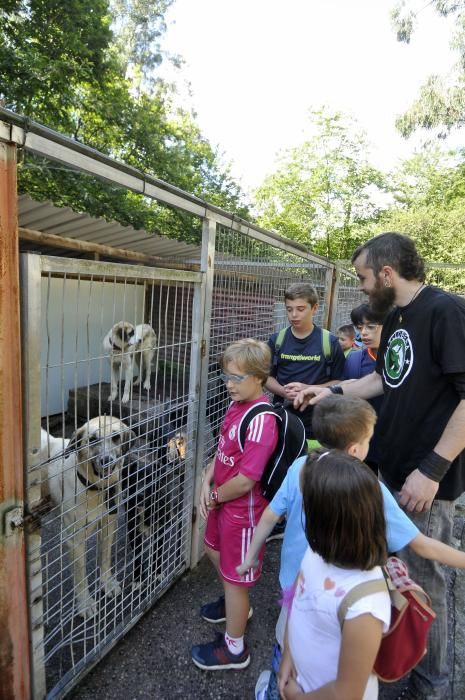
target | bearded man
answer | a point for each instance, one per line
(421, 372)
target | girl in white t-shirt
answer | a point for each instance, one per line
(345, 529)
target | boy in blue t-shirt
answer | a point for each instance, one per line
(345, 423)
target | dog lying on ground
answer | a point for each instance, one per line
(123, 343)
(83, 478)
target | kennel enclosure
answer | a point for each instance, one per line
(76, 277)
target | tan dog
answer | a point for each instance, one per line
(83, 477)
(144, 341)
(120, 349)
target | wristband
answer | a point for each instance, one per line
(214, 496)
(434, 466)
(336, 389)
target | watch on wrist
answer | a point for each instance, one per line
(336, 389)
(214, 496)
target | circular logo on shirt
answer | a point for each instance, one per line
(398, 358)
(232, 432)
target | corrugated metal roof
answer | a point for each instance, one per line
(63, 221)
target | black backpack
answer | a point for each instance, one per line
(291, 443)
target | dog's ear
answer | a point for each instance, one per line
(128, 437)
(75, 442)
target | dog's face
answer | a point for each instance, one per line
(177, 447)
(100, 445)
(122, 335)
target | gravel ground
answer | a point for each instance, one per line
(153, 660)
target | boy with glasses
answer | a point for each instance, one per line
(232, 503)
(369, 324)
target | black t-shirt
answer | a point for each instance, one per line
(422, 348)
(303, 360)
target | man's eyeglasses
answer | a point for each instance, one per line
(234, 378)
(370, 327)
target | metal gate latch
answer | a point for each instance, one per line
(13, 520)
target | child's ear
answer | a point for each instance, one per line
(352, 449)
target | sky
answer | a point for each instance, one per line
(256, 67)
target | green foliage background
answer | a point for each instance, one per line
(87, 68)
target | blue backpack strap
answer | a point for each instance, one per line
(359, 363)
(354, 364)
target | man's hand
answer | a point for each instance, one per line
(310, 396)
(418, 492)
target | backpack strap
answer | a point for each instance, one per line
(248, 417)
(326, 347)
(357, 593)
(278, 343)
(359, 363)
(280, 338)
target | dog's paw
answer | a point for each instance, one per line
(86, 607)
(136, 382)
(147, 386)
(112, 396)
(111, 587)
(125, 398)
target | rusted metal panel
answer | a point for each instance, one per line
(14, 640)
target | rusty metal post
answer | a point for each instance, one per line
(14, 628)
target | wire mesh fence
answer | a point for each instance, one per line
(114, 386)
(346, 297)
(114, 476)
(250, 278)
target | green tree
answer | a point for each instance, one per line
(429, 205)
(324, 189)
(80, 86)
(441, 100)
(138, 27)
(49, 51)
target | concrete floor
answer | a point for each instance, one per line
(153, 660)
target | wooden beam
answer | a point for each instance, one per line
(14, 625)
(50, 239)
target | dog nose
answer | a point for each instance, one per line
(105, 460)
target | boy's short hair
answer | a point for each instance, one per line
(339, 421)
(302, 290)
(364, 312)
(347, 330)
(252, 356)
(344, 511)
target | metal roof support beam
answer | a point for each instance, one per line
(42, 141)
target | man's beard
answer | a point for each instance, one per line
(381, 298)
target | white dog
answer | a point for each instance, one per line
(83, 479)
(144, 341)
(122, 343)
